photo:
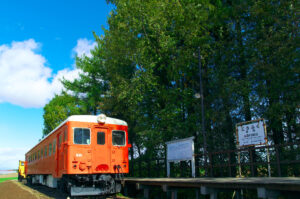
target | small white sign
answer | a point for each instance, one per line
(180, 149)
(251, 133)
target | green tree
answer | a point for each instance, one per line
(277, 66)
(91, 86)
(58, 109)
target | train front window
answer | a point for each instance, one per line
(82, 136)
(118, 138)
(101, 138)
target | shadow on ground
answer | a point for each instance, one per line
(50, 192)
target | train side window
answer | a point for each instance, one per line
(59, 140)
(45, 151)
(65, 135)
(101, 138)
(118, 138)
(82, 136)
(54, 146)
(50, 149)
(42, 152)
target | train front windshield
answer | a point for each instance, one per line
(118, 138)
(82, 136)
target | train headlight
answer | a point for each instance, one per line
(101, 118)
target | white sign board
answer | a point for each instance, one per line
(180, 149)
(251, 133)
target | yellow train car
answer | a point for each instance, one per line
(21, 170)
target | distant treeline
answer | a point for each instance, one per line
(145, 70)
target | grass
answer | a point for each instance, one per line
(121, 196)
(11, 178)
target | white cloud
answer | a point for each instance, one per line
(67, 74)
(9, 157)
(84, 46)
(25, 77)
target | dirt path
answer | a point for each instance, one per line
(13, 190)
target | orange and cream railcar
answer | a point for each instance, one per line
(84, 155)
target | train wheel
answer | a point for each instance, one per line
(62, 185)
(29, 180)
(19, 177)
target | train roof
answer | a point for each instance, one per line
(93, 119)
(84, 118)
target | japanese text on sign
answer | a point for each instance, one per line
(251, 134)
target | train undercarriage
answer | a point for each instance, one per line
(81, 185)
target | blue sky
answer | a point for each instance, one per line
(38, 41)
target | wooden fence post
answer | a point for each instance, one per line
(211, 164)
(229, 163)
(251, 161)
(278, 160)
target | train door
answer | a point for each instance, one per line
(101, 155)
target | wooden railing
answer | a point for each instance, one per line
(284, 161)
